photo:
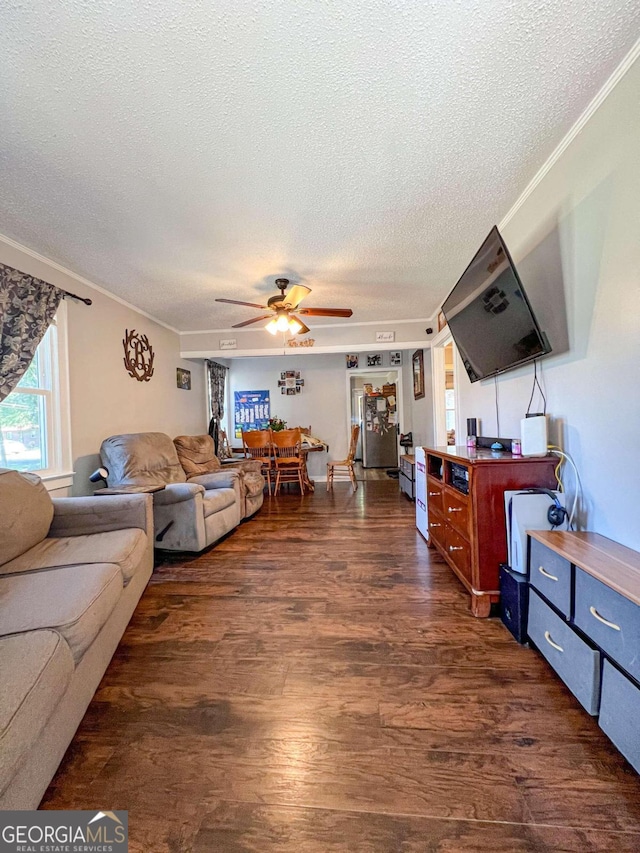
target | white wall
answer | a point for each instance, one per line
(420, 412)
(587, 207)
(104, 399)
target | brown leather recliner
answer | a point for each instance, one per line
(197, 457)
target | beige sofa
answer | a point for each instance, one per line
(188, 516)
(71, 573)
(197, 458)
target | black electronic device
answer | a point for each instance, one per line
(489, 315)
(556, 514)
(514, 602)
(460, 478)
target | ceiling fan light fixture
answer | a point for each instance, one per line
(294, 326)
(272, 326)
(282, 321)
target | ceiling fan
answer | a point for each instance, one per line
(281, 306)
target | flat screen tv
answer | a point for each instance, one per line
(489, 315)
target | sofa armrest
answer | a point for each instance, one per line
(80, 516)
(244, 465)
(176, 493)
(219, 480)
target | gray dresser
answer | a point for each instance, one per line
(584, 618)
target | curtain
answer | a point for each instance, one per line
(217, 375)
(27, 307)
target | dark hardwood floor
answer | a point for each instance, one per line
(316, 683)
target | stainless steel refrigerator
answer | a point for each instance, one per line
(379, 434)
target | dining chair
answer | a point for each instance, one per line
(348, 463)
(288, 458)
(257, 445)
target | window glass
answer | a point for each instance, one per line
(28, 414)
(23, 432)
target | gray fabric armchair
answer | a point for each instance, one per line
(198, 460)
(188, 516)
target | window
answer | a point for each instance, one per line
(34, 418)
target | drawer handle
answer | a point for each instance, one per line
(604, 621)
(547, 637)
(456, 547)
(454, 509)
(434, 524)
(546, 574)
(433, 494)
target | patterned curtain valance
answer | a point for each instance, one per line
(217, 374)
(27, 307)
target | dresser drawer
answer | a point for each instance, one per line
(577, 664)
(406, 485)
(620, 713)
(456, 510)
(551, 574)
(434, 494)
(459, 552)
(610, 620)
(436, 526)
(406, 466)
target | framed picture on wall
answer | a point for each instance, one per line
(395, 358)
(418, 374)
(183, 379)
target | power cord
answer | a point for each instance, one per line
(533, 388)
(578, 492)
(495, 380)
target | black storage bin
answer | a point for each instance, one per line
(514, 602)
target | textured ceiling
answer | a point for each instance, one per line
(172, 152)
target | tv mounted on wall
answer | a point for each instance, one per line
(489, 315)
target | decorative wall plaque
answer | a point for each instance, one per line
(138, 355)
(307, 342)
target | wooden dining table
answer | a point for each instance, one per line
(305, 448)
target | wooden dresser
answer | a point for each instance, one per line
(465, 511)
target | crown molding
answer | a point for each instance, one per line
(301, 351)
(577, 127)
(74, 275)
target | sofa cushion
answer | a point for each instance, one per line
(25, 513)
(197, 454)
(217, 499)
(141, 459)
(75, 600)
(125, 548)
(35, 669)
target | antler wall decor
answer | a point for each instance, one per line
(138, 355)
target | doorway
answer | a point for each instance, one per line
(445, 389)
(375, 405)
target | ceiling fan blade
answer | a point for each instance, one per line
(235, 302)
(304, 329)
(255, 320)
(326, 312)
(294, 296)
